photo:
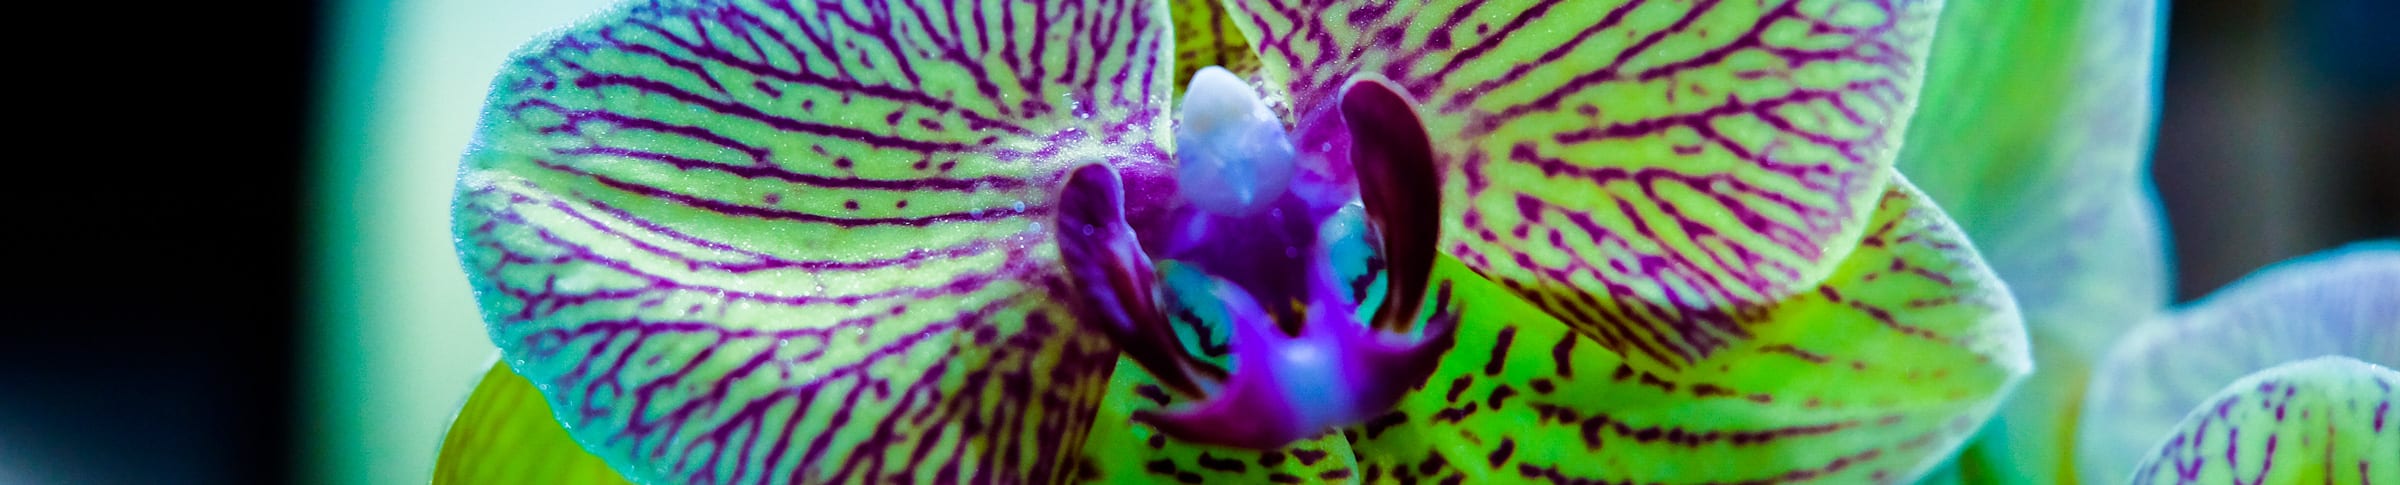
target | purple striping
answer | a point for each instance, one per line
(2381, 409)
(762, 261)
(740, 210)
(576, 118)
(1467, 97)
(1822, 220)
(945, 184)
(686, 65)
(1753, 39)
(965, 283)
(730, 108)
(1424, 88)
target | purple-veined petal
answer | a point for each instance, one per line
(2323, 420)
(1872, 377)
(1642, 169)
(2344, 302)
(1205, 36)
(1124, 452)
(775, 241)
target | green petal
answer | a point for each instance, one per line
(506, 435)
(735, 242)
(2036, 139)
(2107, 275)
(1122, 451)
(1204, 36)
(1873, 377)
(2324, 420)
(2038, 149)
(2340, 302)
(1642, 169)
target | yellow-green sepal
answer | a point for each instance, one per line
(505, 435)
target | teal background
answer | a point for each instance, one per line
(397, 342)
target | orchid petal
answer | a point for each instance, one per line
(1641, 169)
(506, 434)
(1205, 36)
(737, 241)
(2324, 420)
(1122, 451)
(2039, 150)
(1873, 377)
(2339, 303)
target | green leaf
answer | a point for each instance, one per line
(736, 242)
(2336, 303)
(506, 435)
(1643, 170)
(1873, 376)
(2323, 420)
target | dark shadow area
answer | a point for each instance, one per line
(2276, 136)
(152, 340)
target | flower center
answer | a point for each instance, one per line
(1270, 255)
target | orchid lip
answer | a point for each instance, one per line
(1303, 358)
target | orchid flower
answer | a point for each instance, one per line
(1460, 241)
(2040, 152)
(2283, 377)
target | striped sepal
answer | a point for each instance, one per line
(1645, 170)
(2326, 420)
(1872, 377)
(810, 241)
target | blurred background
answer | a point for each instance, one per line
(316, 327)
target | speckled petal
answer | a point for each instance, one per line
(736, 241)
(1641, 169)
(2344, 302)
(1122, 451)
(1873, 377)
(2326, 420)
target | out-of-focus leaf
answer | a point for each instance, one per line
(2035, 137)
(811, 242)
(506, 435)
(2325, 420)
(2343, 303)
(1874, 376)
(1644, 171)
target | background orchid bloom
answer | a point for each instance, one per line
(2283, 377)
(733, 242)
(2043, 162)
(2036, 139)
